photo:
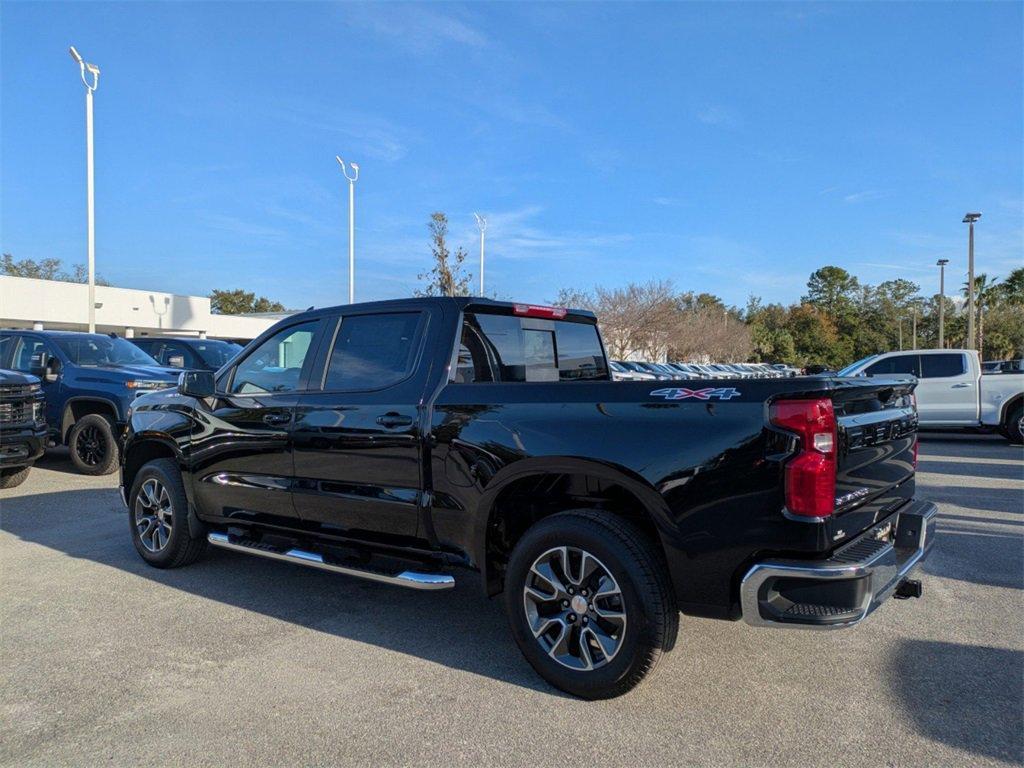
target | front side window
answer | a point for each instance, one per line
(28, 354)
(516, 349)
(895, 364)
(941, 366)
(373, 351)
(276, 364)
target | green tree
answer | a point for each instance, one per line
(1011, 291)
(834, 291)
(986, 293)
(448, 276)
(239, 301)
(46, 269)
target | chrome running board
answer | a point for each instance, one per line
(410, 579)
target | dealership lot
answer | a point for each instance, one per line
(243, 661)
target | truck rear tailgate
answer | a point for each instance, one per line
(876, 452)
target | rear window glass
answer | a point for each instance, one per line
(373, 351)
(520, 349)
(895, 364)
(938, 366)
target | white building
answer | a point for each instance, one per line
(50, 304)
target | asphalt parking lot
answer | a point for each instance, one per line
(242, 661)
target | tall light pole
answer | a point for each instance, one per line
(913, 326)
(969, 219)
(90, 89)
(901, 332)
(481, 222)
(942, 301)
(351, 226)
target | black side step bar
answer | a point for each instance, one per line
(410, 579)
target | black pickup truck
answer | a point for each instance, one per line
(22, 426)
(399, 440)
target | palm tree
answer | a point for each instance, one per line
(985, 293)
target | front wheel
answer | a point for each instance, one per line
(158, 517)
(93, 445)
(589, 603)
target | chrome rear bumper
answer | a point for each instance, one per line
(844, 589)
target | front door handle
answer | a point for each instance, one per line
(963, 385)
(277, 419)
(394, 420)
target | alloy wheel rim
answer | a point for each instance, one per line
(153, 515)
(91, 445)
(574, 608)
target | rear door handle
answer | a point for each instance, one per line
(393, 420)
(277, 419)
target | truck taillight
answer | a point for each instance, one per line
(811, 474)
(534, 310)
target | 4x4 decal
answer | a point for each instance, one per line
(682, 393)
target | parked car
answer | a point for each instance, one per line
(188, 352)
(353, 440)
(638, 370)
(952, 393)
(22, 426)
(89, 381)
(620, 372)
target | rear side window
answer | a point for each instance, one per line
(276, 364)
(939, 366)
(517, 349)
(895, 364)
(373, 351)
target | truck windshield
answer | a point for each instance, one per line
(848, 370)
(506, 348)
(216, 353)
(89, 350)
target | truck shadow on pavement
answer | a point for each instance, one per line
(458, 628)
(966, 696)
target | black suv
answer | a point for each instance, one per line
(188, 352)
(22, 426)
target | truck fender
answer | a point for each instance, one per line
(653, 503)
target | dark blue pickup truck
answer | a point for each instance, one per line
(89, 381)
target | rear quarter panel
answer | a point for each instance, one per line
(707, 471)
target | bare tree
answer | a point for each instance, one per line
(447, 278)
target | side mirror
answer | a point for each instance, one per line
(39, 364)
(52, 372)
(198, 384)
(176, 361)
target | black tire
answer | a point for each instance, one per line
(1011, 428)
(179, 547)
(12, 477)
(93, 444)
(647, 602)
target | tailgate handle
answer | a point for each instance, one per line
(276, 419)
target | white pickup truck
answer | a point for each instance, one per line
(952, 393)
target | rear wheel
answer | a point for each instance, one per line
(93, 445)
(158, 517)
(1013, 427)
(12, 477)
(589, 603)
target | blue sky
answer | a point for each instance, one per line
(732, 148)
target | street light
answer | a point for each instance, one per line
(481, 222)
(941, 263)
(970, 218)
(90, 88)
(351, 226)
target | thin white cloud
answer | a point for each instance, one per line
(415, 28)
(861, 197)
(716, 114)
